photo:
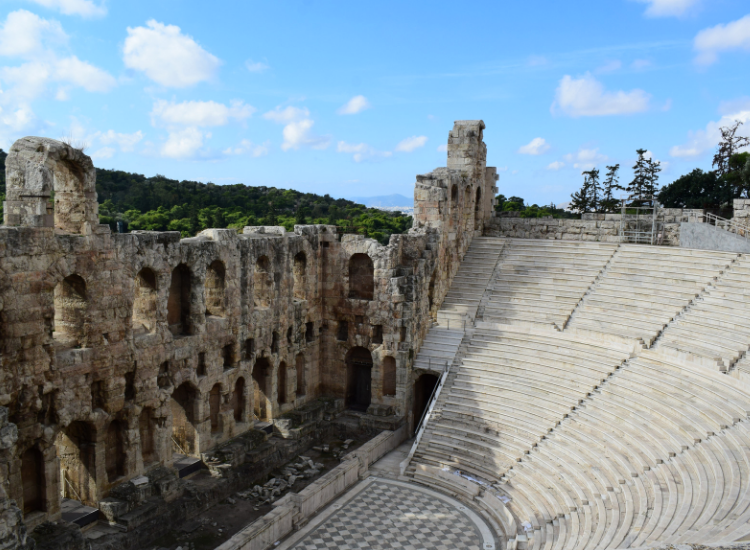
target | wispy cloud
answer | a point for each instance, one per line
(586, 96)
(411, 143)
(355, 105)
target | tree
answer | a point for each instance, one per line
(729, 145)
(594, 188)
(636, 187)
(698, 189)
(734, 175)
(610, 184)
(651, 182)
(581, 200)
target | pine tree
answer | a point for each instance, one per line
(651, 183)
(581, 199)
(595, 189)
(611, 183)
(636, 187)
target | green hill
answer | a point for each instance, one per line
(162, 204)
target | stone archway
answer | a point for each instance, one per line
(358, 379)
(423, 388)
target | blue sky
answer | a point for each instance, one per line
(356, 98)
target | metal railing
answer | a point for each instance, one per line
(728, 225)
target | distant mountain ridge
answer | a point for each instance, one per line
(384, 200)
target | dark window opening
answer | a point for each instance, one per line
(377, 334)
(249, 348)
(227, 354)
(343, 331)
(201, 370)
(309, 332)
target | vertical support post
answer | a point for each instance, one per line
(653, 219)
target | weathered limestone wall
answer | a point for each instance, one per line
(591, 227)
(118, 350)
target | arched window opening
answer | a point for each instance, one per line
(274, 342)
(423, 389)
(32, 476)
(71, 304)
(301, 375)
(358, 379)
(214, 405)
(145, 303)
(282, 383)
(361, 280)
(454, 195)
(261, 402)
(300, 271)
(389, 376)
(115, 450)
(263, 282)
(178, 305)
(238, 400)
(183, 405)
(76, 450)
(146, 431)
(215, 282)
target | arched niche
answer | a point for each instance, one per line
(145, 302)
(389, 376)
(40, 170)
(71, 305)
(114, 450)
(358, 379)
(214, 406)
(300, 273)
(454, 195)
(261, 390)
(214, 288)
(263, 283)
(184, 405)
(178, 304)
(146, 429)
(32, 477)
(76, 451)
(238, 400)
(299, 363)
(282, 384)
(361, 277)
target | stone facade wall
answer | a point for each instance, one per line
(119, 349)
(591, 227)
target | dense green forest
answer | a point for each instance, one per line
(518, 204)
(162, 204)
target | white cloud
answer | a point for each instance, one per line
(287, 115)
(610, 66)
(586, 159)
(361, 151)
(126, 142)
(640, 64)
(586, 96)
(355, 105)
(704, 140)
(103, 153)
(732, 36)
(668, 8)
(248, 148)
(255, 66)
(200, 113)
(26, 34)
(442, 148)
(297, 131)
(411, 143)
(84, 8)
(555, 165)
(536, 146)
(298, 134)
(183, 143)
(167, 56)
(83, 74)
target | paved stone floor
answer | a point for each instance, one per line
(384, 513)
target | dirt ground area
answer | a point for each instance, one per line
(213, 527)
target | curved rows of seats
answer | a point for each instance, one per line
(542, 281)
(643, 288)
(593, 447)
(717, 325)
(661, 453)
(513, 386)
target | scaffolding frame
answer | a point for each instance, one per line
(643, 225)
